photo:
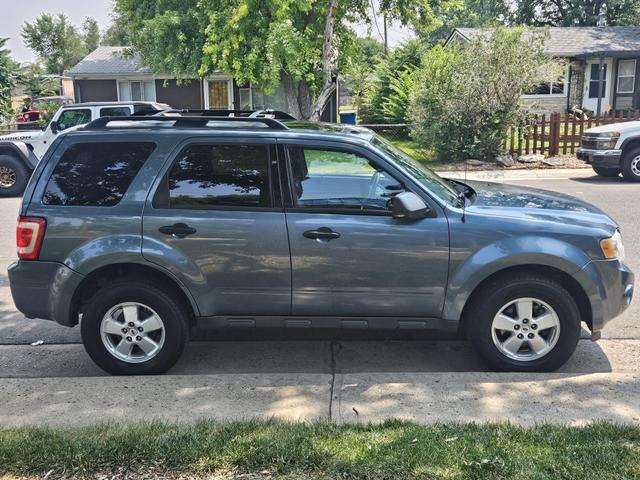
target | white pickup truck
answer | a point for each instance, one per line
(612, 149)
(21, 151)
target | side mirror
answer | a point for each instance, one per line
(54, 126)
(409, 206)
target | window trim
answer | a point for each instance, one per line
(271, 175)
(565, 80)
(633, 76)
(291, 203)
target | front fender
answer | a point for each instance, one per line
(466, 275)
(20, 150)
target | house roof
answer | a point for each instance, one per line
(112, 61)
(577, 41)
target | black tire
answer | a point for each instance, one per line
(14, 166)
(607, 171)
(487, 303)
(630, 163)
(170, 309)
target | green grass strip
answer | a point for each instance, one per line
(392, 450)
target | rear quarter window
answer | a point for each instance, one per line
(96, 174)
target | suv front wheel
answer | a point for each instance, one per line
(134, 328)
(524, 323)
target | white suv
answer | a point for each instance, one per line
(21, 151)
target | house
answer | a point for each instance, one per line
(601, 68)
(114, 74)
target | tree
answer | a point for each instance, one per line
(56, 42)
(296, 42)
(117, 34)
(34, 82)
(357, 67)
(91, 38)
(466, 98)
(7, 78)
(390, 84)
(569, 13)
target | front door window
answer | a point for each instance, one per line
(72, 118)
(594, 80)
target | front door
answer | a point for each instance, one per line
(216, 224)
(592, 84)
(218, 94)
(349, 256)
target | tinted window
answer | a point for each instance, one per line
(71, 118)
(220, 175)
(338, 180)
(115, 112)
(95, 174)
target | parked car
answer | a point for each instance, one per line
(21, 151)
(32, 114)
(611, 149)
(140, 228)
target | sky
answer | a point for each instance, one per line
(15, 12)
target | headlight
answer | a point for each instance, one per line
(601, 141)
(612, 247)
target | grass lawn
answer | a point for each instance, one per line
(393, 450)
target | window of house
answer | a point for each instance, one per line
(329, 179)
(96, 174)
(594, 80)
(254, 98)
(136, 90)
(555, 86)
(209, 176)
(626, 76)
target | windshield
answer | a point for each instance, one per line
(427, 177)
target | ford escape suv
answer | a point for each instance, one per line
(139, 228)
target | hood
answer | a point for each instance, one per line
(536, 204)
(615, 127)
(21, 136)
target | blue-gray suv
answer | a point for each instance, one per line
(140, 228)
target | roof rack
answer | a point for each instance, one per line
(275, 114)
(182, 122)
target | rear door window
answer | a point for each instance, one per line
(213, 176)
(96, 174)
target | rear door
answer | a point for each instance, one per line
(215, 220)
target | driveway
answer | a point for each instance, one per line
(333, 375)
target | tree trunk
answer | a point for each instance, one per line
(328, 87)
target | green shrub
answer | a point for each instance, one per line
(466, 97)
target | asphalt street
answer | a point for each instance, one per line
(326, 374)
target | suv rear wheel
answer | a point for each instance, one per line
(134, 328)
(14, 176)
(524, 323)
(631, 164)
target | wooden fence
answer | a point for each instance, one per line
(558, 133)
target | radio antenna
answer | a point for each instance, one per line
(464, 197)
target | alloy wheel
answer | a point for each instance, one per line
(132, 332)
(7, 177)
(525, 329)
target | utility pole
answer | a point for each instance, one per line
(386, 42)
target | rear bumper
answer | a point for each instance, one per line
(610, 290)
(44, 290)
(600, 158)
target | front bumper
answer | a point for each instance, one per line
(600, 158)
(610, 290)
(44, 290)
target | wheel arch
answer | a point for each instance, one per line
(21, 151)
(102, 275)
(574, 288)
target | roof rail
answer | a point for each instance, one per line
(182, 122)
(276, 114)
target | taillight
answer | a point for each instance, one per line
(29, 235)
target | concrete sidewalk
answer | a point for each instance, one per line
(421, 381)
